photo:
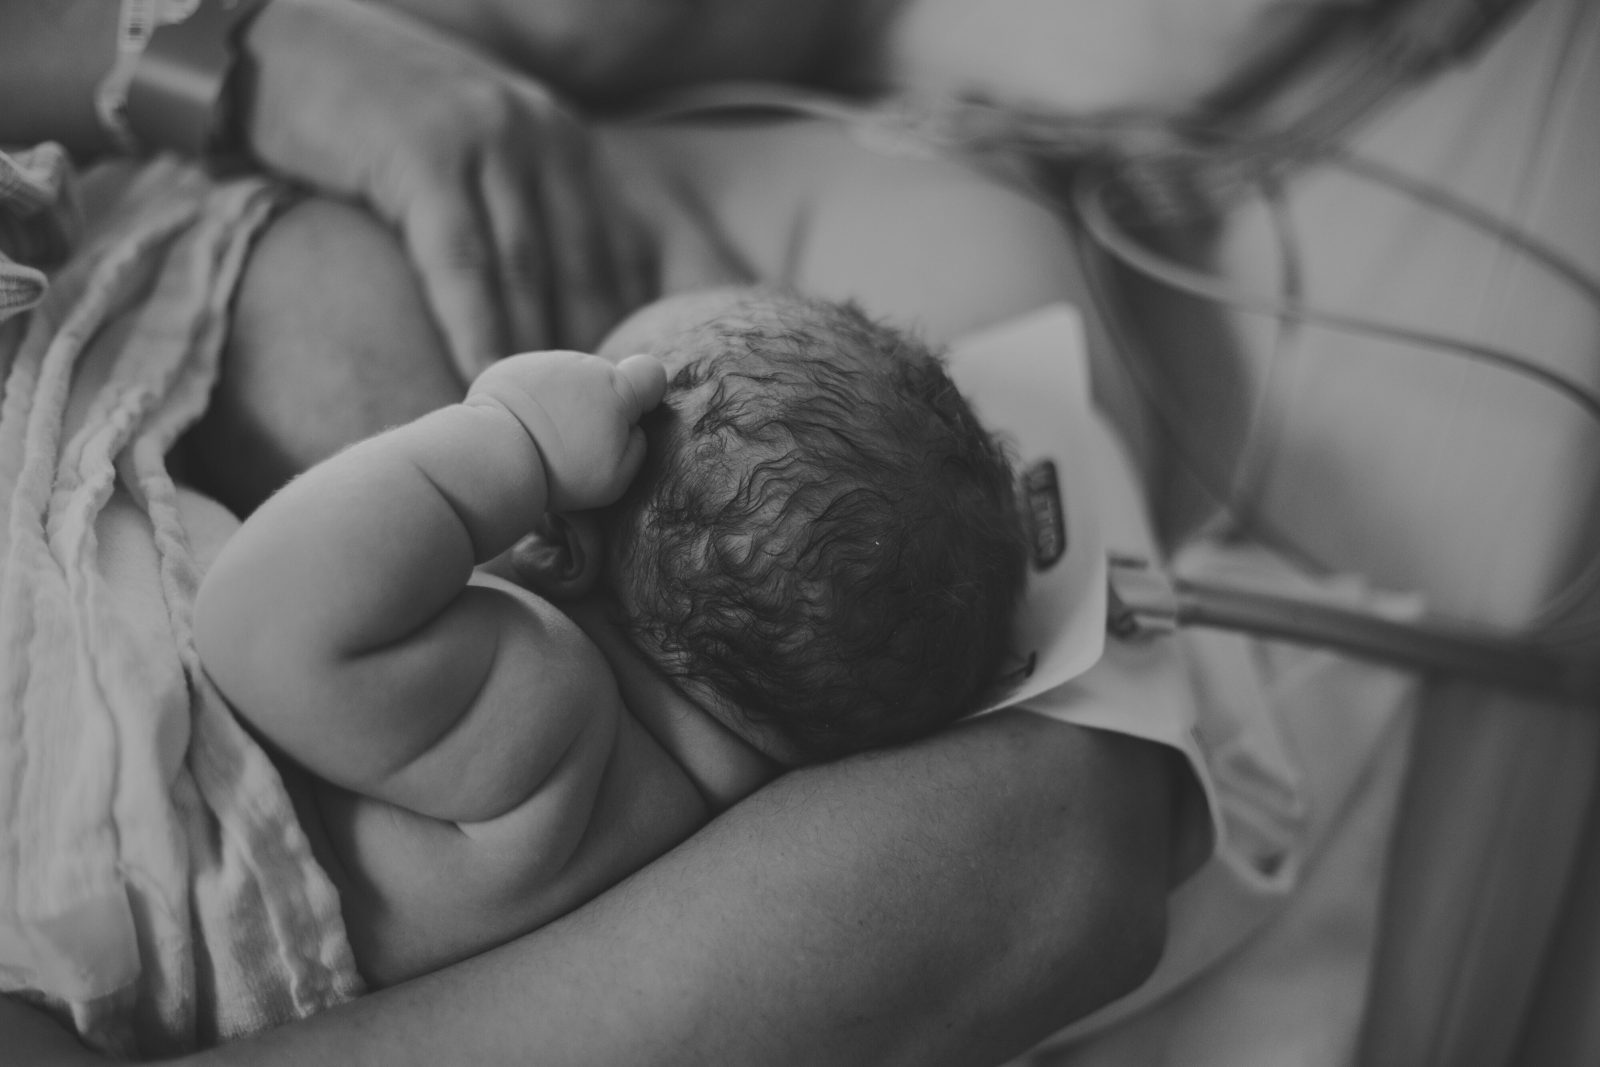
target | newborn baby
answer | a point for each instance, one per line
(512, 651)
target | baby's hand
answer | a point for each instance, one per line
(583, 414)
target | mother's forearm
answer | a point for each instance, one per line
(951, 902)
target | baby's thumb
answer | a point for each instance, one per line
(641, 381)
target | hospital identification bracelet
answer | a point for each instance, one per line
(179, 95)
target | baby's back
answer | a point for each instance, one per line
(418, 893)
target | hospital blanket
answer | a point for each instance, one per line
(156, 892)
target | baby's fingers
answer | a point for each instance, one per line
(641, 382)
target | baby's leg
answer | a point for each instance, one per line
(330, 342)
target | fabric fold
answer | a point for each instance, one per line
(155, 888)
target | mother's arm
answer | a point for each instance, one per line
(950, 902)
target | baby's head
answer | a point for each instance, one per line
(823, 536)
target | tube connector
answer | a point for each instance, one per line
(1142, 601)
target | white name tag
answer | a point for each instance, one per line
(1028, 380)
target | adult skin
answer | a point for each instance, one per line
(449, 138)
(953, 901)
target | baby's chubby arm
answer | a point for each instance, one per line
(340, 621)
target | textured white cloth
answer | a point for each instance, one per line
(37, 216)
(155, 888)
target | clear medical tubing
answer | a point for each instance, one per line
(1497, 658)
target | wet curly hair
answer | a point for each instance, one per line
(823, 532)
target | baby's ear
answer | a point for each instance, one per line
(562, 558)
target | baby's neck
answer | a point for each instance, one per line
(724, 766)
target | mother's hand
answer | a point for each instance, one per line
(517, 240)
